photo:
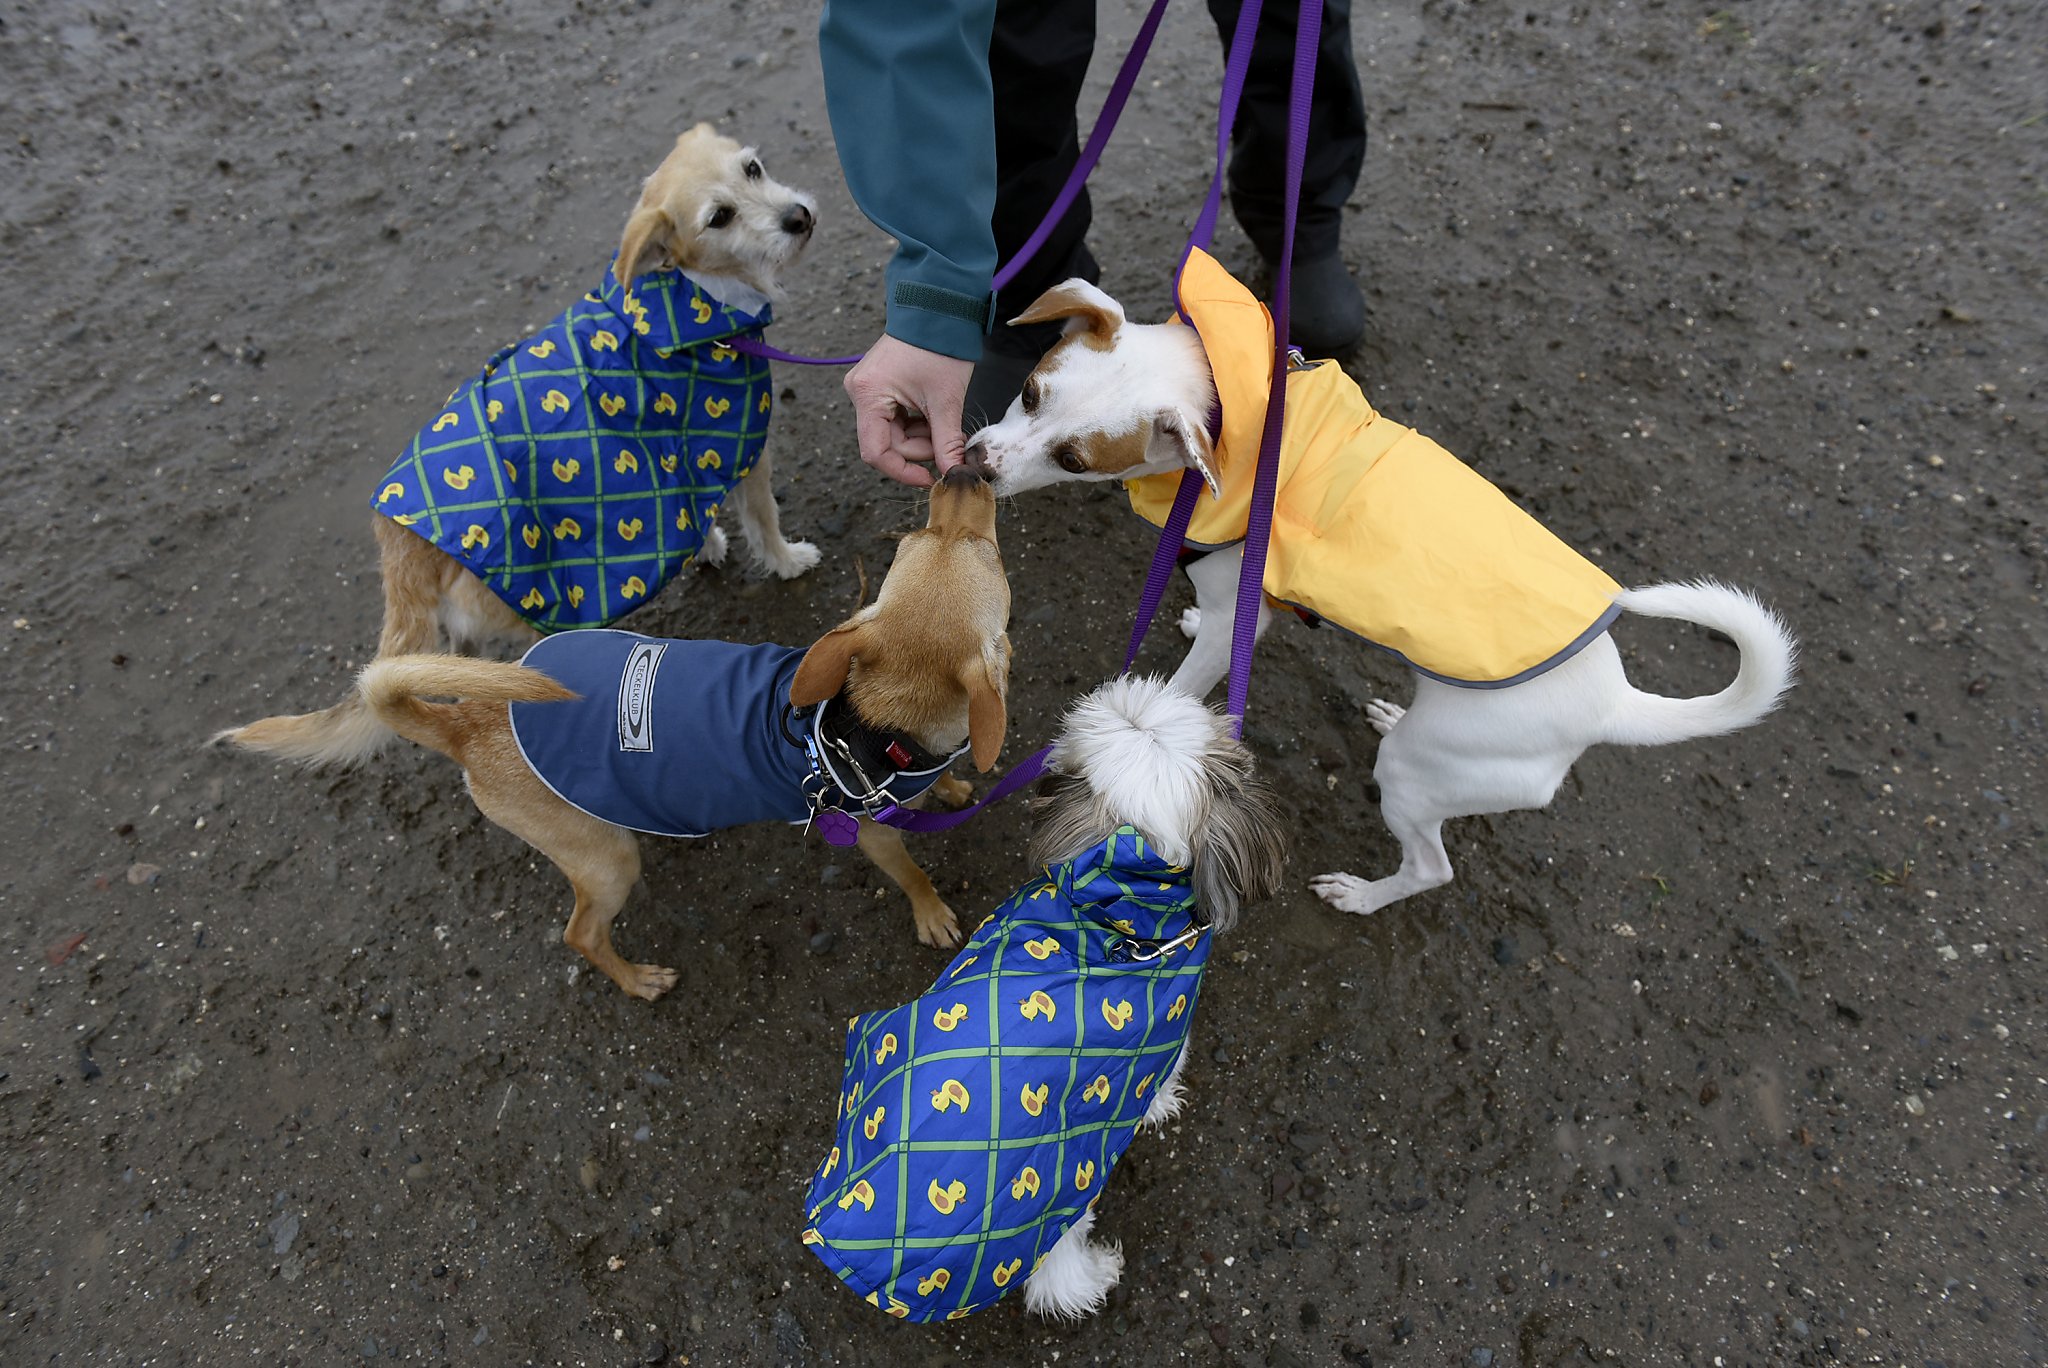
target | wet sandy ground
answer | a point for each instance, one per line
(1735, 1056)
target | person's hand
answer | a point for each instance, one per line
(906, 409)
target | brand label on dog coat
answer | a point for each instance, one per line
(586, 464)
(636, 697)
(978, 1122)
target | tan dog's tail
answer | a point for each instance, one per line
(346, 734)
(393, 688)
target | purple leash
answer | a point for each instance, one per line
(1244, 628)
(1091, 153)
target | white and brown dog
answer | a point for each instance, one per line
(1380, 531)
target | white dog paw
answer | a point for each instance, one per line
(1345, 892)
(712, 552)
(792, 558)
(1383, 715)
(1190, 622)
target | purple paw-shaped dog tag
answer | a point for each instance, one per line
(838, 828)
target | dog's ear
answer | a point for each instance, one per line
(822, 672)
(987, 680)
(1085, 308)
(1189, 435)
(1241, 850)
(645, 244)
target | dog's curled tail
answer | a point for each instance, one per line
(1768, 656)
(393, 689)
(344, 735)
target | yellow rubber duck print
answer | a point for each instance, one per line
(568, 529)
(530, 535)
(604, 340)
(1033, 1099)
(682, 520)
(961, 967)
(873, 1125)
(1025, 1184)
(700, 309)
(831, 1162)
(1005, 1272)
(1039, 1004)
(629, 530)
(393, 490)
(886, 1048)
(812, 1237)
(475, 537)
(1180, 1004)
(894, 1308)
(717, 407)
(935, 1283)
(493, 409)
(634, 587)
(670, 462)
(1118, 1015)
(459, 478)
(568, 470)
(575, 595)
(554, 401)
(446, 420)
(664, 402)
(721, 352)
(1143, 1084)
(542, 349)
(1084, 1174)
(944, 1199)
(862, 1192)
(946, 1020)
(625, 462)
(952, 1094)
(762, 407)
(511, 472)
(1039, 949)
(534, 599)
(611, 404)
(404, 519)
(709, 459)
(1098, 1091)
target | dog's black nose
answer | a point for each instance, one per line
(965, 474)
(976, 458)
(797, 220)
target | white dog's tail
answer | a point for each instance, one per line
(1768, 653)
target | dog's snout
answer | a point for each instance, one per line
(798, 221)
(965, 475)
(977, 458)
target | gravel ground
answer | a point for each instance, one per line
(1735, 1056)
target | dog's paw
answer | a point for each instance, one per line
(712, 552)
(791, 559)
(1383, 715)
(937, 926)
(648, 981)
(1345, 892)
(953, 792)
(1190, 622)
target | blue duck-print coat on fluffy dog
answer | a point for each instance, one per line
(980, 1121)
(582, 469)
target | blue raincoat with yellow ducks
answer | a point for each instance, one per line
(583, 467)
(980, 1121)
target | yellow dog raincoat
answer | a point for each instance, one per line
(1375, 527)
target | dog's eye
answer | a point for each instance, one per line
(1031, 394)
(1069, 460)
(721, 216)
(753, 170)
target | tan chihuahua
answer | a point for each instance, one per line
(710, 735)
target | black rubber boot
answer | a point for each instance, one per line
(1326, 309)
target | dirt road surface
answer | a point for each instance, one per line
(1735, 1056)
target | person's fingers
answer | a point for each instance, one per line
(942, 416)
(881, 444)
